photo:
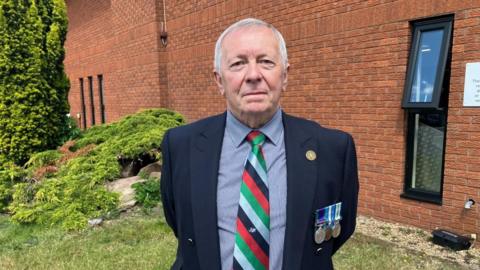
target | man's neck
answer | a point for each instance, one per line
(255, 121)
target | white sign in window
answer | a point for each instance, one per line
(471, 93)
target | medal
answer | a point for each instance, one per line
(328, 233)
(319, 235)
(327, 223)
(336, 229)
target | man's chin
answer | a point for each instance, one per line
(259, 112)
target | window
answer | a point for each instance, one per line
(100, 95)
(427, 63)
(426, 101)
(92, 106)
(82, 99)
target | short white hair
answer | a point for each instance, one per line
(247, 23)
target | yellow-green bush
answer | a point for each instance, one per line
(33, 84)
(76, 192)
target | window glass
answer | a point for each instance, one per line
(426, 66)
(429, 133)
(100, 95)
(92, 106)
(82, 98)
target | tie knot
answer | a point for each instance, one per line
(256, 137)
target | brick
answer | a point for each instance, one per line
(347, 71)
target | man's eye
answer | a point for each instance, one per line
(267, 62)
(236, 64)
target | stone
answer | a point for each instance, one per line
(155, 175)
(123, 186)
(150, 168)
(95, 222)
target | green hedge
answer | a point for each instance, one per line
(73, 190)
(33, 84)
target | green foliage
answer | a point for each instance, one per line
(5, 196)
(147, 193)
(71, 132)
(152, 123)
(42, 159)
(10, 174)
(75, 192)
(33, 84)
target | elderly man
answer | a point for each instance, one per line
(256, 188)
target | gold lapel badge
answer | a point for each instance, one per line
(311, 155)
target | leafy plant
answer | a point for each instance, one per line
(10, 174)
(147, 193)
(74, 191)
(33, 84)
(44, 158)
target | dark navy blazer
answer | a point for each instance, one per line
(191, 155)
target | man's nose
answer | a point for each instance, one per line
(253, 75)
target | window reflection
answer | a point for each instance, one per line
(426, 66)
(428, 151)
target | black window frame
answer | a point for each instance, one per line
(446, 24)
(100, 95)
(438, 105)
(82, 100)
(408, 191)
(92, 103)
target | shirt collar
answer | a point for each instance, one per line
(273, 129)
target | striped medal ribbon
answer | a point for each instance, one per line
(253, 220)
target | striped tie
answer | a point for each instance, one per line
(253, 221)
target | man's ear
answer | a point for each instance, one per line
(218, 80)
(285, 77)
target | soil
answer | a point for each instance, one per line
(418, 240)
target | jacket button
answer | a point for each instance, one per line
(318, 251)
(190, 242)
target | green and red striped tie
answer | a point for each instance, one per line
(253, 221)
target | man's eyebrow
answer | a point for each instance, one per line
(244, 56)
(236, 57)
(240, 56)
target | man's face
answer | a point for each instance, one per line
(252, 75)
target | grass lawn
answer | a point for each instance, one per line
(365, 252)
(140, 241)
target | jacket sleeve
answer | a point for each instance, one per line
(349, 195)
(166, 183)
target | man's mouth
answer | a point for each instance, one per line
(257, 93)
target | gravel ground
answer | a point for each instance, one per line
(418, 240)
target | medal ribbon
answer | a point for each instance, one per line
(328, 214)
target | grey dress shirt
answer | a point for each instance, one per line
(235, 150)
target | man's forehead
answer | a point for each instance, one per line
(249, 28)
(229, 43)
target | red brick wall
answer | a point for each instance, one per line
(348, 63)
(119, 39)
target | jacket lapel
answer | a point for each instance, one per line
(206, 148)
(301, 186)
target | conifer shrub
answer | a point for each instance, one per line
(10, 174)
(33, 84)
(75, 192)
